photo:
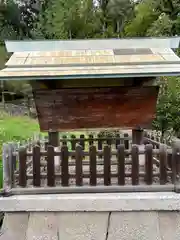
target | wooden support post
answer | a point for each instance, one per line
(53, 138)
(137, 138)
(54, 141)
(176, 164)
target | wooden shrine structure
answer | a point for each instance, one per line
(90, 84)
(93, 83)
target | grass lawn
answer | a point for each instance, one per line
(15, 129)
(20, 128)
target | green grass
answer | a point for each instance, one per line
(1, 175)
(15, 129)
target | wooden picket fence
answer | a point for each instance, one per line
(92, 164)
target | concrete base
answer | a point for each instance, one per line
(95, 225)
(92, 202)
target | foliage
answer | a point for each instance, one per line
(168, 107)
(145, 15)
(161, 27)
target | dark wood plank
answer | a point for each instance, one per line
(53, 138)
(79, 170)
(117, 140)
(82, 141)
(73, 144)
(95, 107)
(99, 142)
(121, 164)
(148, 164)
(109, 141)
(174, 164)
(93, 162)
(22, 167)
(36, 166)
(137, 136)
(126, 141)
(50, 166)
(107, 165)
(64, 142)
(163, 164)
(135, 165)
(65, 165)
(91, 142)
(169, 160)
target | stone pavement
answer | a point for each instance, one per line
(150, 225)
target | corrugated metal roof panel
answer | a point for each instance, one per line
(88, 57)
(88, 62)
(91, 44)
(88, 72)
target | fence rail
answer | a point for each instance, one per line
(91, 164)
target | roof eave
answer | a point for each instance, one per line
(90, 76)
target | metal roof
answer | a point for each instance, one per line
(86, 59)
(91, 44)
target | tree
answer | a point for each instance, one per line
(119, 11)
(161, 27)
(145, 14)
(168, 106)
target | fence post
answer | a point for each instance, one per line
(176, 165)
(137, 136)
(54, 141)
(6, 172)
(148, 164)
(11, 163)
(126, 141)
(135, 165)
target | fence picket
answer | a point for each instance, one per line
(82, 142)
(50, 166)
(163, 163)
(126, 141)
(91, 142)
(93, 171)
(148, 164)
(36, 166)
(79, 158)
(64, 142)
(121, 164)
(107, 165)
(30, 163)
(117, 140)
(99, 142)
(73, 142)
(64, 165)
(22, 167)
(135, 165)
(174, 164)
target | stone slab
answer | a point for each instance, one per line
(42, 226)
(134, 226)
(14, 226)
(169, 224)
(83, 226)
(92, 202)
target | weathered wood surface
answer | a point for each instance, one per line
(62, 109)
